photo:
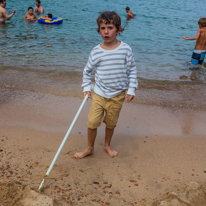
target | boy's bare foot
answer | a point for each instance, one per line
(112, 153)
(84, 153)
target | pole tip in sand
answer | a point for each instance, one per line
(42, 183)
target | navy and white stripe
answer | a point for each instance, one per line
(114, 70)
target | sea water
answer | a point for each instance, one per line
(154, 36)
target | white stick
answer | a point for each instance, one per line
(63, 142)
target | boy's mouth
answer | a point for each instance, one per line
(106, 37)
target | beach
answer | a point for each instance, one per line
(160, 135)
(160, 139)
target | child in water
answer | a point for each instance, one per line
(198, 54)
(30, 15)
(130, 15)
(47, 17)
(115, 72)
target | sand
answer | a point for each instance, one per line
(192, 194)
(18, 194)
(160, 143)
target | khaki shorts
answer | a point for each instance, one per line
(111, 107)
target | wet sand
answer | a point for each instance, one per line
(160, 139)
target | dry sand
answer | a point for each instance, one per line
(160, 148)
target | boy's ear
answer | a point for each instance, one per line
(120, 29)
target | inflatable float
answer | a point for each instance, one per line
(55, 20)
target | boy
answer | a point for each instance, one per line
(115, 69)
(30, 15)
(38, 7)
(198, 54)
(130, 15)
(47, 17)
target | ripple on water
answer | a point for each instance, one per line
(154, 35)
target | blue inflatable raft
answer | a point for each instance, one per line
(55, 20)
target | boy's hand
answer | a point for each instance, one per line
(184, 37)
(129, 98)
(87, 92)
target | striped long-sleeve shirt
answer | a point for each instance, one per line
(114, 70)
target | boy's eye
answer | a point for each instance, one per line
(110, 28)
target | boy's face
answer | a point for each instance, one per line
(200, 26)
(3, 4)
(108, 32)
(30, 11)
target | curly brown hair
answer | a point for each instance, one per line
(110, 17)
(202, 22)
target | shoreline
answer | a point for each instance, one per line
(159, 149)
(195, 75)
(175, 94)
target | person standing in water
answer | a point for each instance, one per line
(30, 15)
(198, 54)
(130, 15)
(3, 12)
(38, 7)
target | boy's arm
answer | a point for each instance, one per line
(192, 38)
(25, 16)
(47, 18)
(43, 17)
(35, 18)
(88, 76)
(132, 77)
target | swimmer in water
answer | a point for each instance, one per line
(130, 15)
(3, 13)
(30, 15)
(47, 17)
(38, 7)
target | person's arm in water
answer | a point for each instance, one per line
(35, 18)
(45, 17)
(8, 16)
(25, 16)
(41, 10)
(192, 38)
